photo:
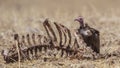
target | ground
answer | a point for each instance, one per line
(25, 16)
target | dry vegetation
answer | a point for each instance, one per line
(25, 16)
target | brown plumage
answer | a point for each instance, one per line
(90, 35)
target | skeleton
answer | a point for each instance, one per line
(34, 44)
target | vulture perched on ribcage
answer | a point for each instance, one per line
(90, 35)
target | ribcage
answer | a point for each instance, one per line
(33, 46)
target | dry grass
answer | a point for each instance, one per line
(25, 16)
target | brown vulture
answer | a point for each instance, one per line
(89, 34)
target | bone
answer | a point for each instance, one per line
(47, 25)
(39, 45)
(75, 45)
(28, 40)
(23, 40)
(64, 30)
(68, 32)
(65, 36)
(39, 39)
(34, 38)
(60, 33)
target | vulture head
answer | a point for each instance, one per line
(80, 20)
(84, 28)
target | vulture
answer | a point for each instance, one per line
(89, 35)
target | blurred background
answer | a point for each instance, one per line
(23, 13)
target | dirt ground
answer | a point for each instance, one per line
(26, 16)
